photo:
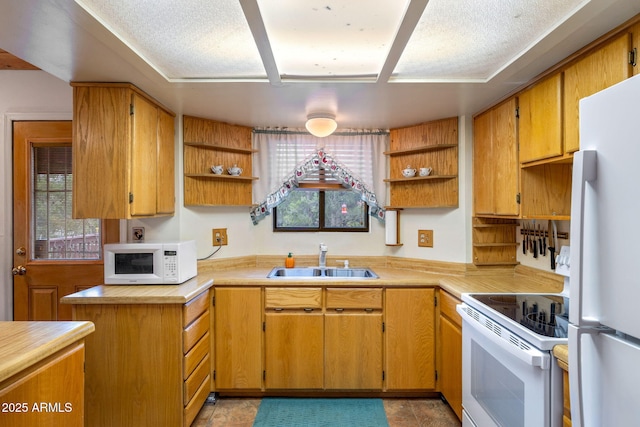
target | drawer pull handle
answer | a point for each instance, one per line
(368, 310)
(278, 309)
(308, 310)
(339, 310)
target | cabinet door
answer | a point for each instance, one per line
(540, 123)
(238, 345)
(451, 375)
(294, 350)
(144, 160)
(495, 161)
(410, 339)
(165, 191)
(101, 147)
(353, 351)
(504, 159)
(603, 68)
(483, 186)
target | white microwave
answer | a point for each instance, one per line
(149, 263)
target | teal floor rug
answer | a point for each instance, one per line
(323, 412)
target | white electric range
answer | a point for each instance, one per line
(510, 377)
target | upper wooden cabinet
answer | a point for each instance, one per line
(432, 144)
(210, 143)
(495, 161)
(540, 120)
(123, 153)
(600, 69)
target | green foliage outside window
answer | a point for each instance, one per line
(320, 210)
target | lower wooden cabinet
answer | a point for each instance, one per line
(353, 339)
(410, 339)
(50, 393)
(238, 338)
(294, 350)
(315, 339)
(450, 346)
(146, 364)
(293, 339)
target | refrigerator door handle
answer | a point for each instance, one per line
(584, 170)
(575, 375)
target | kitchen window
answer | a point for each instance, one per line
(343, 171)
(321, 210)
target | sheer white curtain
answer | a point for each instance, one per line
(281, 150)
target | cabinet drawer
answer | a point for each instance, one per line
(293, 297)
(193, 407)
(195, 355)
(192, 383)
(196, 330)
(354, 298)
(448, 307)
(195, 308)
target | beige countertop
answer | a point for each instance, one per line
(141, 294)
(388, 277)
(23, 344)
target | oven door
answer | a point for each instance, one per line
(505, 381)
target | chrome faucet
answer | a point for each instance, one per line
(322, 259)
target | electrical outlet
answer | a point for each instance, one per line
(219, 236)
(425, 238)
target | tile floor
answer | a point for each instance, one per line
(240, 412)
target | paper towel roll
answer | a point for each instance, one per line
(391, 228)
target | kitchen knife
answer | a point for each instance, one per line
(545, 233)
(524, 238)
(535, 243)
(541, 251)
(552, 249)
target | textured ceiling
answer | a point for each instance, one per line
(454, 40)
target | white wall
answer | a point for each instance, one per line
(24, 95)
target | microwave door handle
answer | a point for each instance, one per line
(530, 356)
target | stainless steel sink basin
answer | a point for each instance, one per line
(320, 272)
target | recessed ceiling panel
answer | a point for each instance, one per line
(473, 40)
(186, 38)
(331, 37)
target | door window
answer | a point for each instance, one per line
(56, 235)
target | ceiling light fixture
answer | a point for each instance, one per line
(321, 124)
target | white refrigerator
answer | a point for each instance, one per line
(604, 315)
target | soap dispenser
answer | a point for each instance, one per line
(289, 262)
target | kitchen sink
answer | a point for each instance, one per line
(320, 272)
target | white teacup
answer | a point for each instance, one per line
(425, 171)
(217, 169)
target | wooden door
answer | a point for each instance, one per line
(353, 351)
(238, 332)
(54, 255)
(599, 70)
(294, 350)
(540, 123)
(410, 339)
